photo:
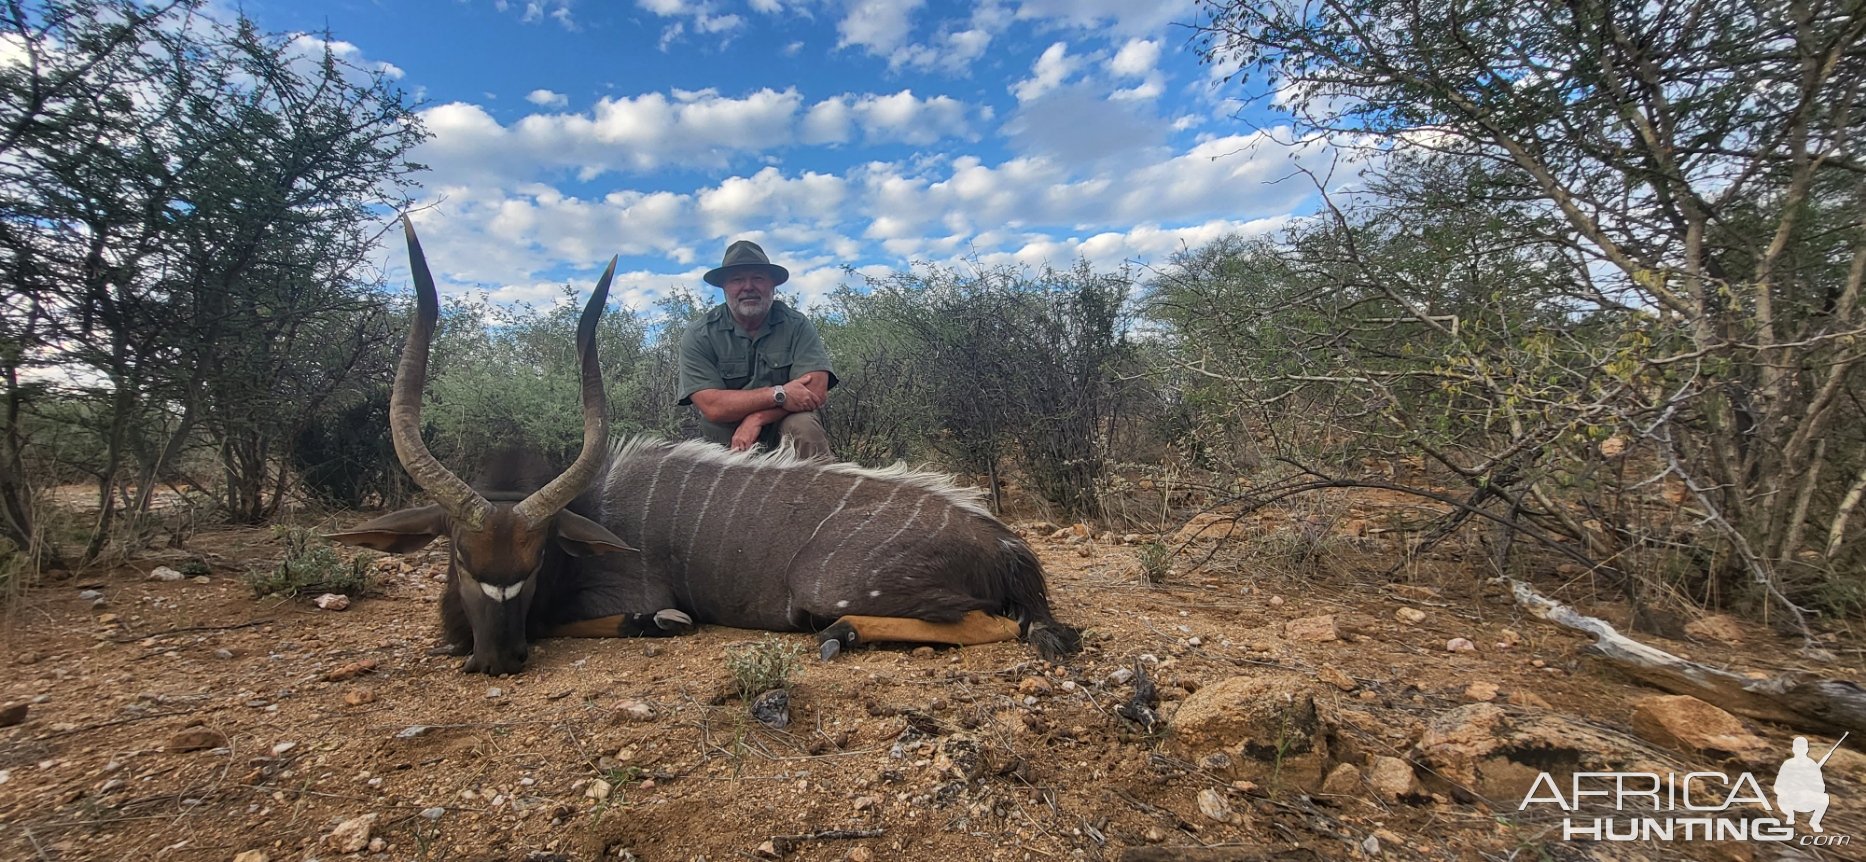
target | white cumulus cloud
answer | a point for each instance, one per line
(1136, 59)
(1123, 17)
(878, 26)
(1051, 70)
(909, 119)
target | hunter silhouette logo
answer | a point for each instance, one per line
(1693, 806)
(1799, 788)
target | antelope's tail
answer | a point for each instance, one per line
(1029, 600)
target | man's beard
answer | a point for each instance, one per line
(751, 307)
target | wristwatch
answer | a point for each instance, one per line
(777, 395)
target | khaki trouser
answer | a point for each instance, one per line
(804, 431)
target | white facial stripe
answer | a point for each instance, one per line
(500, 594)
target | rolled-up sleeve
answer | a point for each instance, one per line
(808, 353)
(699, 368)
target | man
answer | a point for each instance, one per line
(753, 367)
(1798, 787)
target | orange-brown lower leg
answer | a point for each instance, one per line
(658, 624)
(976, 627)
(601, 627)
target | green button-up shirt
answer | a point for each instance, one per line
(716, 354)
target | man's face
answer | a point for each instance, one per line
(748, 294)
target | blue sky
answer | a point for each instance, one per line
(866, 133)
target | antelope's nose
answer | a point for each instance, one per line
(513, 660)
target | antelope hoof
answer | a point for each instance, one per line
(832, 640)
(674, 622)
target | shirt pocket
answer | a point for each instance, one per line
(774, 364)
(734, 372)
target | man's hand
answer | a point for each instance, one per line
(747, 434)
(799, 397)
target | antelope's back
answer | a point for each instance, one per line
(775, 541)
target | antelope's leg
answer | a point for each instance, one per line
(662, 623)
(976, 627)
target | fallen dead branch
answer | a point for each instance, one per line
(1215, 854)
(1819, 704)
(784, 845)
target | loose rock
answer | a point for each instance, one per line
(1528, 698)
(1392, 778)
(1343, 780)
(1499, 753)
(634, 711)
(1460, 645)
(1409, 616)
(1312, 629)
(332, 601)
(1722, 628)
(164, 573)
(1329, 674)
(352, 835)
(1687, 723)
(1480, 692)
(1214, 806)
(12, 714)
(195, 739)
(350, 671)
(1266, 723)
(772, 708)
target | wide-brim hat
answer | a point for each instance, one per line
(745, 254)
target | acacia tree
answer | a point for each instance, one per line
(83, 179)
(1013, 365)
(1679, 182)
(505, 376)
(274, 234)
(186, 209)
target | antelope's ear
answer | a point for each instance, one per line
(582, 537)
(397, 532)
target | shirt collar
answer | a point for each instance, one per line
(721, 317)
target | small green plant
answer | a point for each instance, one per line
(15, 570)
(763, 666)
(310, 566)
(621, 775)
(1156, 562)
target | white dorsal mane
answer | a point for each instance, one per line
(785, 458)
